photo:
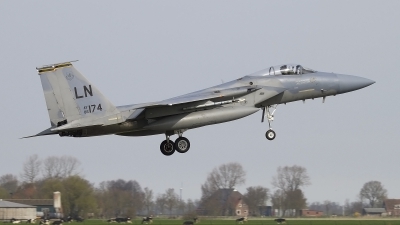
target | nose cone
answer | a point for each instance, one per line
(349, 83)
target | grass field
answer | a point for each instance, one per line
(263, 222)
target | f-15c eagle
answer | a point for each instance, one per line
(78, 109)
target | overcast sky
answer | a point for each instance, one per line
(140, 51)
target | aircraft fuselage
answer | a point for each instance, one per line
(77, 108)
(183, 117)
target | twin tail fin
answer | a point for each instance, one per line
(70, 96)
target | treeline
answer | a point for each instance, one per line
(79, 197)
(371, 195)
(113, 198)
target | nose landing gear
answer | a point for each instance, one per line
(181, 145)
(270, 134)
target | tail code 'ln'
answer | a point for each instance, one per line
(70, 96)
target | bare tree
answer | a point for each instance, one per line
(190, 205)
(137, 196)
(9, 182)
(171, 199)
(120, 197)
(148, 199)
(181, 206)
(352, 208)
(328, 205)
(295, 200)
(278, 200)
(254, 197)
(288, 200)
(60, 167)
(374, 192)
(190, 210)
(161, 203)
(51, 167)
(288, 181)
(207, 190)
(31, 169)
(290, 178)
(227, 175)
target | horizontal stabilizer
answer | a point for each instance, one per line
(43, 133)
(72, 127)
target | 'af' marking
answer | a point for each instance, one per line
(86, 90)
(69, 76)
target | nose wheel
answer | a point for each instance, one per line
(270, 134)
(180, 145)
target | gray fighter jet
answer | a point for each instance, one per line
(78, 109)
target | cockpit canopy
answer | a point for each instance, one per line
(289, 69)
(285, 69)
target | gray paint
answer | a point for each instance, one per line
(87, 112)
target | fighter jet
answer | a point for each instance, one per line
(77, 108)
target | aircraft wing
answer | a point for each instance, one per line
(219, 95)
(198, 96)
(206, 98)
(210, 95)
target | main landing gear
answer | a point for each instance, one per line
(270, 134)
(180, 145)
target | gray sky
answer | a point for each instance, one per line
(139, 51)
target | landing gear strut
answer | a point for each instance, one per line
(270, 134)
(181, 145)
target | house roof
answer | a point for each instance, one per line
(390, 203)
(375, 210)
(35, 202)
(7, 204)
(224, 194)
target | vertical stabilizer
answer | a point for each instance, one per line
(70, 96)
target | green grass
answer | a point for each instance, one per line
(262, 222)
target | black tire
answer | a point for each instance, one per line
(270, 135)
(167, 148)
(182, 145)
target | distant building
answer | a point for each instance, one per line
(48, 208)
(311, 213)
(9, 210)
(224, 202)
(392, 206)
(374, 211)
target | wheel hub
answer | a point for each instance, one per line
(182, 145)
(168, 147)
(270, 135)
